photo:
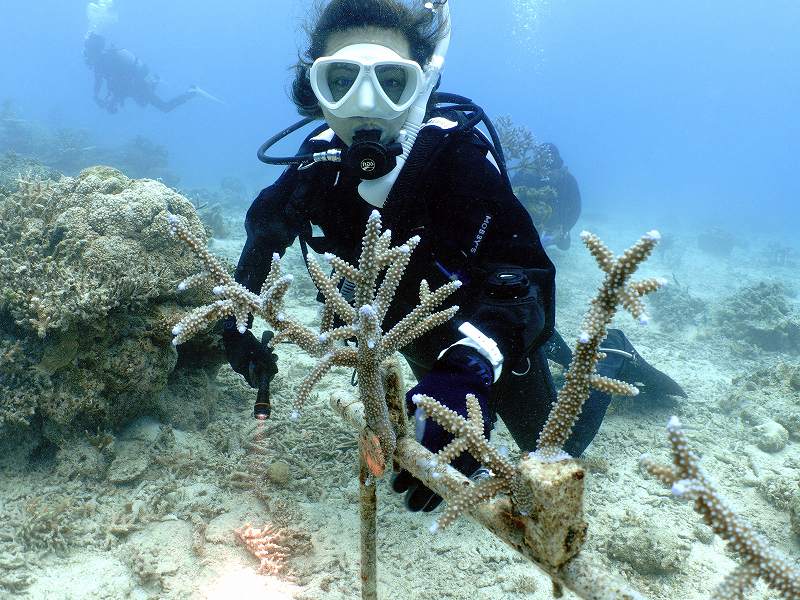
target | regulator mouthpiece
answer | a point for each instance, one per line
(369, 158)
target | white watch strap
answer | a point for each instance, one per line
(485, 346)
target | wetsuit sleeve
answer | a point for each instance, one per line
(272, 224)
(491, 228)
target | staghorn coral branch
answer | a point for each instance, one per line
(760, 560)
(361, 321)
(299, 335)
(236, 300)
(345, 332)
(330, 291)
(194, 280)
(369, 261)
(342, 267)
(216, 272)
(391, 279)
(468, 436)
(199, 319)
(421, 319)
(384, 249)
(581, 376)
(328, 324)
(648, 286)
(600, 252)
(612, 386)
(324, 365)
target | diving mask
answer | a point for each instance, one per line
(366, 80)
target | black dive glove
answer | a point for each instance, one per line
(460, 372)
(252, 359)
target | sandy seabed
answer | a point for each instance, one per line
(168, 530)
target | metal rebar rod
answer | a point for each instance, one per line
(368, 509)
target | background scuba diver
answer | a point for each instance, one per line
(125, 76)
(550, 193)
(363, 73)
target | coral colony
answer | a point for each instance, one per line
(534, 504)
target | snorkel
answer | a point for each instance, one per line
(376, 191)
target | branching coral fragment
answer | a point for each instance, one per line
(362, 321)
(581, 376)
(521, 147)
(468, 437)
(760, 560)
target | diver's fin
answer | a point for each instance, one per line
(201, 92)
(636, 370)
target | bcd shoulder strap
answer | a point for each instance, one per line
(404, 210)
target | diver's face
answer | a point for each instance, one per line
(345, 128)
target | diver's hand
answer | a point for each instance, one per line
(460, 372)
(246, 355)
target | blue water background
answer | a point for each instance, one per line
(682, 111)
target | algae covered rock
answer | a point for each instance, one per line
(675, 308)
(760, 315)
(767, 395)
(279, 472)
(794, 513)
(88, 274)
(770, 436)
(129, 464)
(648, 548)
(81, 460)
(188, 400)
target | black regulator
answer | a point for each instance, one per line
(368, 157)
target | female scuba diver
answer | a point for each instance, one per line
(390, 142)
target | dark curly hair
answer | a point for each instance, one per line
(420, 26)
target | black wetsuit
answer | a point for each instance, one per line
(471, 226)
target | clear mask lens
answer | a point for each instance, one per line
(397, 81)
(393, 80)
(340, 77)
